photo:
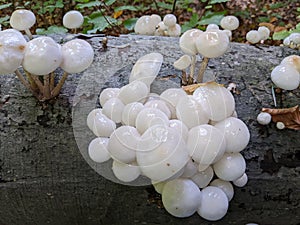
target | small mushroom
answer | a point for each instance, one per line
(22, 19)
(73, 19)
(293, 60)
(42, 56)
(146, 25)
(170, 20)
(253, 36)
(183, 62)
(264, 118)
(77, 55)
(229, 23)
(212, 26)
(264, 33)
(285, 76)
(12, 48)
(174, 31)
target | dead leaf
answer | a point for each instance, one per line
(117, 14)
(289, 116)
(189, 89)
(270, 26)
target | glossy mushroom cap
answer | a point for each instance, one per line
(73, 19)
(22, 19)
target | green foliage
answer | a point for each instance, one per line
(130, 23)
(51, 30)
(285, 33)
(4, 6)
(212, 17)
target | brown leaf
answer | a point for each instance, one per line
(289, 116)
(270, 26)
(189, 89)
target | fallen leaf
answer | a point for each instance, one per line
(270, 26)
(189, 89)
(289, 116)
(117, 14)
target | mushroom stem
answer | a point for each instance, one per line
(31, 81)
(192, 72)
(202, 69)
(28, 33)
(46, 91)
(38, 83)
(52, 80)
(184, 80)
(58, 87)
(26, 84)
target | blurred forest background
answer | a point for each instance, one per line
(113, 17)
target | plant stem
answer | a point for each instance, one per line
(26, 84)
(58, 87)
(192, 72)
(184, 78)
(174, 6)
(46, 91)
(202, 69)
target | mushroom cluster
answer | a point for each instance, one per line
(287, 74)
(292, 41)
(260, 35)
(40, 57)
(153, 25)
(187, 145)
(211, 43)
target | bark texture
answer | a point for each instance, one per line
(47, 178)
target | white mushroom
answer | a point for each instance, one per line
(146, 25)
(97, 150)
(77, 56)
(42, 56)
(126, 172)
(183, 62)
(264, 118)
(188, 40)
(229, 23)
(146, 68)
(206, 144)
(22, 19)
(181, 197)
(190, 169)
(181, 127)
(212, 26)
(230, 167)
(12, 49)
(215, 100)
(73, 19)
(161, 153)
(295, 38)
(161, 29)
(130, 113)
(236, 134)
(159, 104)
(170, 20)
(226, 186)
(123, 144)
(107, 94)
(285, 76)
(293, 60)
(280, 125)
(214, 204)
(174, 31)
(264, 32)
(202, 178)
(253, 36)
(135, 91)
(113, 109)
(241, 181)
(212, 43)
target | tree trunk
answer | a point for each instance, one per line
(44, 178)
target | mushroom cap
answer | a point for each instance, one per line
(214, 203)
(97, 150)
(135, 91)
(73, 19)
(215, 100)
(22, 19)
(181, 197)
(113, 109)
(146, 68)
(42, 56)
(264, 118)
(183, 62)
(187, 41)
(293, 60)
(236, 134)
(126, 172)
(146, 25)
(130, 113)
(206, 144)
(230, 167)
(107, 94)
(170, 20)
(77, 56)
(174, 31)
(285, 76)
(241, 181)
(253, 36)
(295, 37)
(203, 178)
(229, 23)
(226, 186)
(212, 26)
(162, 152)
(212, 43)
(12, 49)
(264, 32)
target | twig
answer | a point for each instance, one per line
(58, 87)
(174, 6)
(156, 6)
(274, 96)
(202, 69)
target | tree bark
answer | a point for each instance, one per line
(44, 178)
